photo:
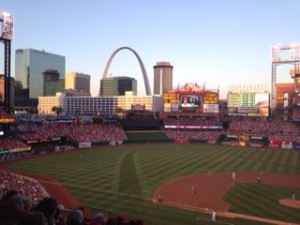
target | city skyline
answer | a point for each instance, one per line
(216, 43)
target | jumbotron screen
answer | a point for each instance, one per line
(248, 104)
(190, 101)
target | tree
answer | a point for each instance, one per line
(57, 110)
(119, 111)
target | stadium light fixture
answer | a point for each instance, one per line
(7, 26)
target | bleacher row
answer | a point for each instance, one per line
(3, 114)
(76, 132)
(196, 135)
(24, 201)
(274, 130)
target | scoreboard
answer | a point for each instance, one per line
(171, 98)
(191, 101)
(248, 104)
(240, 99)
(248, 100)
(210, 98)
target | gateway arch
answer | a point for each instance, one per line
(146, 81)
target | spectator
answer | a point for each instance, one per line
(1, 193)
(33, 218)
(27, 203)
(82, 209)
(9, 194)
(48, 206)
(18, 200)
(75, 217)
(10, 213)
(60, 215)
(111, 221)
(99, 219)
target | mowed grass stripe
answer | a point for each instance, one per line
(283, 159)
(277, 162)
(293, 159)
(128, 180)
(174, 160)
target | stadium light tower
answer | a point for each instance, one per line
(6, 37)
(294, 57)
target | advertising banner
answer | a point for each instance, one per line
(210, 108)
(84, 144)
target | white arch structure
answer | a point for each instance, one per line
(146, 81)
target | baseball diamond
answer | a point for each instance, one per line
(126, 180)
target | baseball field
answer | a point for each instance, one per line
(126, 180)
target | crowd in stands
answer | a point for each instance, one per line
(279, 130)
(198, 123)
(190, 116)
(296, 114)
(76, 132)
(193, 134)
(186, 125)
(297, 100)
(23, 201)
(195, 121)
(10, 143)
(24, 185)
(139, 114)
(4, 114)
(192, 127)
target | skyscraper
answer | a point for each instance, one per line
(116, 86)
(30, 66)
(52, 83)
(79, 82)
(163, 78)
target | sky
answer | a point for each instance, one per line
(219, 43)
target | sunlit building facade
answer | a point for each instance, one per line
(163, 78)
(102, 105)
(78, 82)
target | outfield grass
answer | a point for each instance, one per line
(122, 179)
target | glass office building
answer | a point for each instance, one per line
(117, 86)
(30, 65)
